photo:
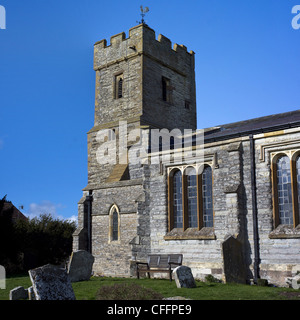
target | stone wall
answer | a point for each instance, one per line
(113, 257)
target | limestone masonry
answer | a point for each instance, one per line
(233, 213)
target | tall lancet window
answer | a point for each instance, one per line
(177, 200)
(192, 197)
(114, 224)
(284, 189)
(207, 199)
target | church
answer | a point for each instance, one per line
(225, 197)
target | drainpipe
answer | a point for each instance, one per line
(254, 210)
(89, 200)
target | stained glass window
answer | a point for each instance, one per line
(192, 198)
(284, 189)
(207, 197)
(177, 200)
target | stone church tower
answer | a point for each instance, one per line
(145, 83)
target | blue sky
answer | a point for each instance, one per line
(247, 66)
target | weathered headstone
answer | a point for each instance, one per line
(18, 293)
(296, 282)
(80, 266)
(51, 283)
(233, 262)
(2, 278)
(183, 277)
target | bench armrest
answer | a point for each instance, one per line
(176, 263)
(146, 263)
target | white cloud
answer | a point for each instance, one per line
(73, 219)
(47, 207)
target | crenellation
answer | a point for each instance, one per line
(164, 41)
(117, 38)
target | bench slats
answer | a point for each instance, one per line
(159, 263)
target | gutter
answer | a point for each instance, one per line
(89, 200)
(254, 210)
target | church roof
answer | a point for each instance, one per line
(270, 123)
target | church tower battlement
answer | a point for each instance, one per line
(142, 78)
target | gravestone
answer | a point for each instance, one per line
(183, 277)
(233, 262)
(2, 278)
(296, 282)
(51, 283)
(80, 266)
(18, 293)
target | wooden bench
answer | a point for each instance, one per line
(159, 263)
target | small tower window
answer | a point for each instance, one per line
(119, 86)
(166, 93)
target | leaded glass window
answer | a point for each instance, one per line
(298, 183)
(284, 189)
(115, 225)
(192, 198)
(207, 197)
(177, 200)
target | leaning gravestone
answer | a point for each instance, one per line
(51, 283)
(80, 266)
(18, 293)
(183, 277)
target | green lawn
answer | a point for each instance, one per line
(86, 290)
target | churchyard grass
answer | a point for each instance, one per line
(87, 290)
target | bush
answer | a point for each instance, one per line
(127, 291)
(27, 244)
(211, 279)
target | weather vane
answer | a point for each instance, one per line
(143, 13)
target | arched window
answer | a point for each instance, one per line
(177, 200)
(298, 185)
(286, 189)
(192, 198)
(207, 197)
(114, 223)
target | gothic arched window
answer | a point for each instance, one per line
(286, 189)
(190, 198)
(114, 224)
(207, 199)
